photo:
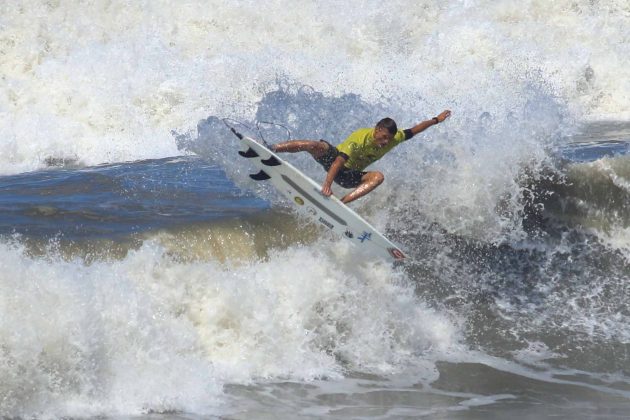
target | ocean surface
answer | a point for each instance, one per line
(144, 275)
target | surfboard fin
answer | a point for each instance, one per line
(249, 153)
(260, 176)
(272, 161)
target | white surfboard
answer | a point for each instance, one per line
(306, 195)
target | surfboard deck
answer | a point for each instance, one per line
(306, 196)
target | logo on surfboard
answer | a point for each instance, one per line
(326, 223)
(299, 200)
(365, 236)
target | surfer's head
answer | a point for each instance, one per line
(384, 131)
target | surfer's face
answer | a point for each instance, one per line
(382, 136)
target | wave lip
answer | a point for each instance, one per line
(108, 83)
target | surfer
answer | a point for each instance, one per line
(345, 163)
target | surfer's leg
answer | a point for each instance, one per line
(315, 148)
(369, 181)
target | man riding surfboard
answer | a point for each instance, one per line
(345, 163)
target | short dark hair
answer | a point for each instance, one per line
(388, 124)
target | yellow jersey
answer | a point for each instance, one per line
(361, 150)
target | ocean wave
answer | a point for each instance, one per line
(108, 82)
(149, 333)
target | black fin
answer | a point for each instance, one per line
(249, 153)
(272, 161)
(260, 176)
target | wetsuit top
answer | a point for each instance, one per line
(360, 150)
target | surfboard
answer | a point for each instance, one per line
(305, 194)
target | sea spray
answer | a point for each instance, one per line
(109, 82)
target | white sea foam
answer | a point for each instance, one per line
(108, 81)
(147, 333)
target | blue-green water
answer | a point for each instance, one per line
(121, 199)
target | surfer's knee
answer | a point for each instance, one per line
(320, 146)
(376, 178)
(380, 177)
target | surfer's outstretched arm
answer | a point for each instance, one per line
(419, 128)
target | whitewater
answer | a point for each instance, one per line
(143, 273)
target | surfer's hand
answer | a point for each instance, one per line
(444, 115)
(326, 190)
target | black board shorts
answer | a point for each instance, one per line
(347, 178)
